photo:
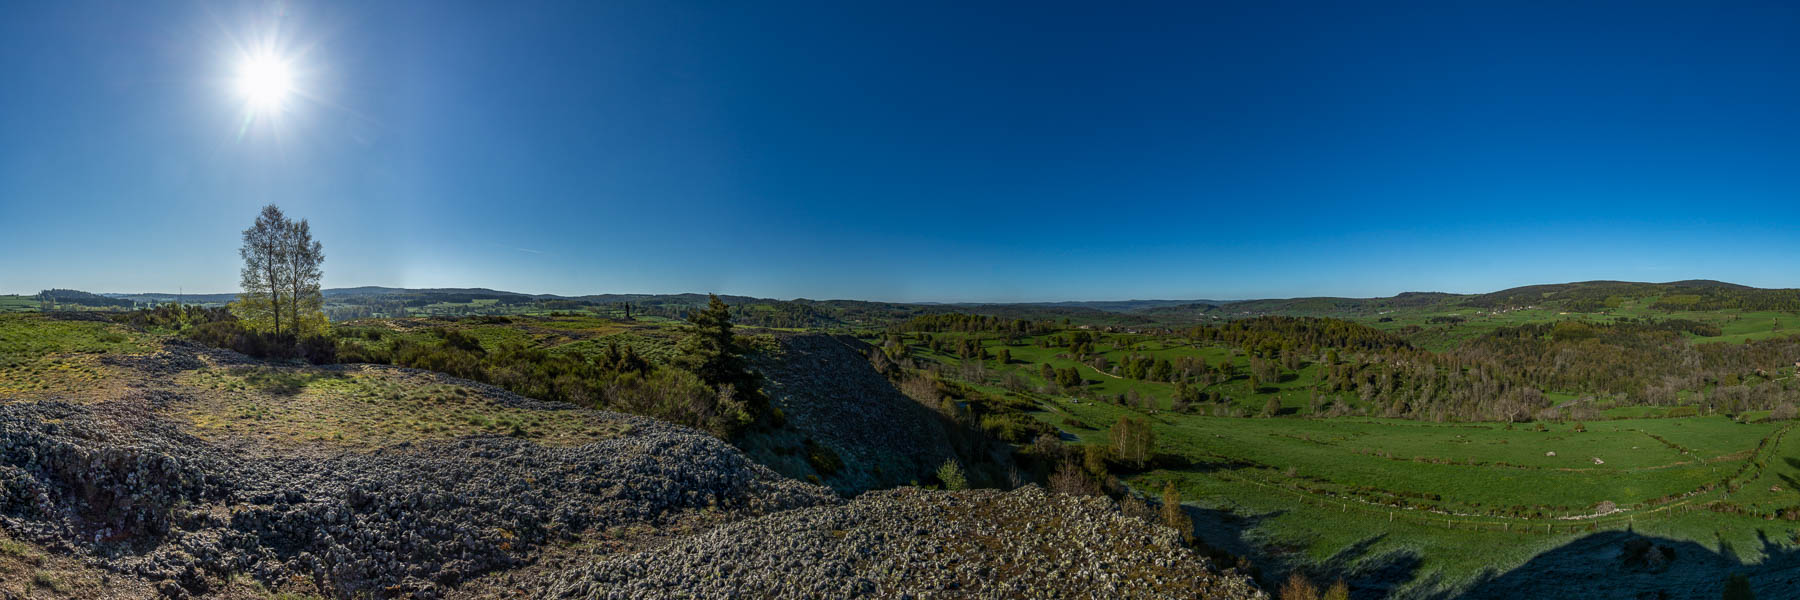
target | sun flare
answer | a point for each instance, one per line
(264, 82)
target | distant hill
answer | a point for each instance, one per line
(1587, 292)
(157, 297)
(1581, 296)
(1120, 305)
(79, 297)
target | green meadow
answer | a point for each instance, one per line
(1451, 502)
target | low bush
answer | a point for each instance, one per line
(822, 458)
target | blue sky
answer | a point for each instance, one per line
(910, 150)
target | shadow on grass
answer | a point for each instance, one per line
(282, 382)
(1603, 565)
(1625, 564)
(1226, 534)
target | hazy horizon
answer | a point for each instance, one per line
(868, 151)
(1024, 301)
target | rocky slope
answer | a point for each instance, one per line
(908, 542)
(118, 485)
(833, 399)
(187, 471)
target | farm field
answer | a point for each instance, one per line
(17, 303)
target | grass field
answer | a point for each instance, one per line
(27, 337)
(14, 303)
(1735, 325)
(1460, 501)
(365, 407)
(1448, 503)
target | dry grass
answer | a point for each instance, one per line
(76, 377)
(26, 571)
(365, 406)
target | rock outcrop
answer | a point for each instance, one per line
(128, 490)
(908, 543)
(831, 397)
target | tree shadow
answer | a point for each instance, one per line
(1601, 565)
(1370, 573)
(282, 382)
(1625, 564)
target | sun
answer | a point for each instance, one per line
(264, 82)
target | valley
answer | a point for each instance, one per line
(1411, 451)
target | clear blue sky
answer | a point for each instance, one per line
(910, 150)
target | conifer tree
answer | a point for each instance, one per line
(711, 352)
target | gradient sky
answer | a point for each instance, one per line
(911, 150)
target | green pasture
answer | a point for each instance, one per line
(14, 303)
(1475, 498)
(27, 336)
(1452, 501)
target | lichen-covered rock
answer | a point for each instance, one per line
(912, 543)
(408, 519)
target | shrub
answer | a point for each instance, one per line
(1072, 480)
(1338, 591)
(349, 351)
(460, 341)
(951, 474)
(1136, 508)
(1014, 427)
(1172, 514)
(1298, 587)
(822, 458)
(318, 349)
(232, 335)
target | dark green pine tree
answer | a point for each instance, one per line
(711, 352)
